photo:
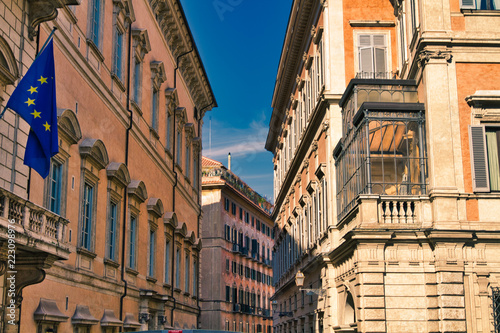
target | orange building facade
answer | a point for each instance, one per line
(236, 272)
(122, 203)
(384, 134)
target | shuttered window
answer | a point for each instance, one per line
(480, 174)
(372, 53)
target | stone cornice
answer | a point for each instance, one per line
(173, 24)
(298, 30)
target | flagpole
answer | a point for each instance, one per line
(37, 53)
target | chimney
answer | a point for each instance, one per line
(229, 161)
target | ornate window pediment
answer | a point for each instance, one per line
(68, 125)
(170, 218)
(118, 172)
(8, 67)
(158, 73)
(181, 115)
(137, 189)
(172, 98)
(141, 43)
(155, 207)
(124, 12)
(95, 151)
(44, 10)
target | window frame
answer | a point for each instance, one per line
(357, 47)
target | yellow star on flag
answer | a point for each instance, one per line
(33, 89)
(47, 126)
(42, 80)
(36, 114)
(30, 101)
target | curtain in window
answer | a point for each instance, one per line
(492, 147)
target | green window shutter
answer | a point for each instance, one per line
(479, 159)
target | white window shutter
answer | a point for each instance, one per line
(468, 4)
(366, 60)
(380, 62)
(479, 159)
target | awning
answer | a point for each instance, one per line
(109, 319)
(130, 321)
(83, 316)
(47, 310)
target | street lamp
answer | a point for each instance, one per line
(274, 304)
(299, 281)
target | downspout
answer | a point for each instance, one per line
(127, 138)
(16, 129)
(173, 189)
(199, 223)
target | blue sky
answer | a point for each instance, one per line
(240, 45)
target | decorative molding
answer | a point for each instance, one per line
(158, 73)
(142, 46)
(44, 10)
(371, 23)
(427, 55)
(485, 105)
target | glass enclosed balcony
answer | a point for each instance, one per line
(382, 150)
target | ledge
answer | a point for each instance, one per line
(86, 252)
(131, 271)
(371, 23)
(111, 263)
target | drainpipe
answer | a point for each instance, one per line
(125, 197)
(173, 189)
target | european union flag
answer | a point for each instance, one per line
(34, 99)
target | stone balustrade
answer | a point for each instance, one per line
(33, 221)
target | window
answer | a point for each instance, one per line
(178, 268)
(241, 213)
(55, 187)
(87, 217)
(118, 56)
(228, 294)
(187, 265)
(226, 204)
(132, 242)
(167, 262)
(480, 4)
(137, 81)
(187, 157)
(152, 251)
(227, 265)
(169, 131)
(179, 145)
(111, 239)
(195, 277)
(233, 208)
(485, 153)
(195, 170)
(372, 55)
(154, 109)
(95, 21)
(495, 295)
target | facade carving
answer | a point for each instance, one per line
(383, 227)
(103, 245)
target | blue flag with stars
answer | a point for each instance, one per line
(34, 99)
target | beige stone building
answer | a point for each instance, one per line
(110, 240)
(236, 270)
(387, 185)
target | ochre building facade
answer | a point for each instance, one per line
(110, 240)
(236, 272)
(384, 134)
